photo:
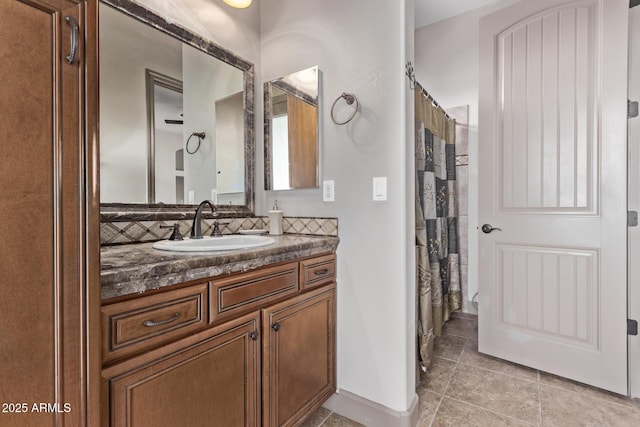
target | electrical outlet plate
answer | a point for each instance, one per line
(328, 191)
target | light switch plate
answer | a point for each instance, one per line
(380, 188)
(328, 191)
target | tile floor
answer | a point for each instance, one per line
(325, 418)
(466, 388)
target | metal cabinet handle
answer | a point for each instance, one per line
(488, 228)
(74, 39)
(151, 324)
(253, 335)
(321, 272)
(276, 326)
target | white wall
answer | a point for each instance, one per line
(167, 143)
(447, 66)
(124, 55)
(230, 144)
(411, 301)
(360, 46)
(206, 80)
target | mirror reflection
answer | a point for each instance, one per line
(171, 119)
(291, 131)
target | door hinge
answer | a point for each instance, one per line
(632, 109)
(632, 218)
(632, 327)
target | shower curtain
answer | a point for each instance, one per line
(438, 275)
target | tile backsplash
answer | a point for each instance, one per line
(121, 232)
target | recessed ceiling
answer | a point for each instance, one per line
(431, 11)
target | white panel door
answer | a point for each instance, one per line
(552, 178)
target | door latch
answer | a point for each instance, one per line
(632, 218)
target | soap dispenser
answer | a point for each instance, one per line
(275, 220)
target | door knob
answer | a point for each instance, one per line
(488, 228)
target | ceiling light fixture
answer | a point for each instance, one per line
(238, 4)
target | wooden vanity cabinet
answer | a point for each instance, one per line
(209, 379)
(298, 356)
(266, 357)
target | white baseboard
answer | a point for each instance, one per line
(369, 413)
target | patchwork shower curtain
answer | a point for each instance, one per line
(438, 276)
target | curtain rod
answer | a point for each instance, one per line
(412, 84)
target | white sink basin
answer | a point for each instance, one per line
(207, 244)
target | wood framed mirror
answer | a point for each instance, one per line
(291, 131)
(217, 104)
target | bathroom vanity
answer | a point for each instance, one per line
(230, 338)
(241, 338)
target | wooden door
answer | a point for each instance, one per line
(303, 143)
(209, 379)
(49, 268)
(552, 178)
(298, 359)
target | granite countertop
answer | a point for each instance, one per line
(136, 268)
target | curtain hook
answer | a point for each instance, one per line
(411, 75)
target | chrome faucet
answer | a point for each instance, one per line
(196, 228)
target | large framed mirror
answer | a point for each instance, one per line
(176, 117)
(291, 131)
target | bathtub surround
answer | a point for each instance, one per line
(461, 116)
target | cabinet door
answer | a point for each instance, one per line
(210, 379)
(49, 214)
(298, 371)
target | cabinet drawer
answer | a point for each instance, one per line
(317, 271)
(248, 291)
(142, 323)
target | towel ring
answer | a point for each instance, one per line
(349, 99)
(200, 135)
